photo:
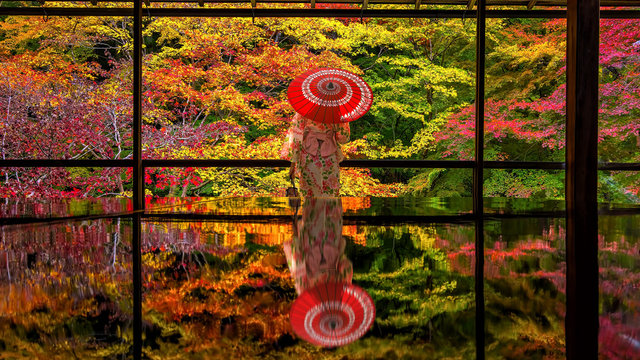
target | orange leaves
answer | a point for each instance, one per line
(356, 182)
(271, 65)
(217, 304)
(274, 260)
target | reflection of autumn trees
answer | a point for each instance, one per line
(66, 289)
(60, 250)
(525, 277)
(60, 207)
(233, 235)
(524, 286)
(245, 296)
(619, 260)
(228, 283)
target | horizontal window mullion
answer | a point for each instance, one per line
(542, 165)
(619, 166)
(247, 163)
(66, 163)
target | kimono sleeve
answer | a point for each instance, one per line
(343, 132)
(291, 146)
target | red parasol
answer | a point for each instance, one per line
(332, 314)
(328, 95)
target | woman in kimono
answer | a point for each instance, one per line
(314, 149)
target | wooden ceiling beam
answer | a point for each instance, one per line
(468, 4)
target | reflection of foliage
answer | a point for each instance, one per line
(213, 296)
(415, 296)
(66, 291)
(525, 318)
(95, 327)
(524, 286)
(619, 259)
(236, 296)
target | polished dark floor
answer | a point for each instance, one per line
(217, 278)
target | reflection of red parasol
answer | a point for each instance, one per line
(332, 314)
(328, 95)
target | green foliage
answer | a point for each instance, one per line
(533, 184)
(444, 183)
(203, 75)
(612, 187)
(518, 65)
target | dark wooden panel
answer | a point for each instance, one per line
(581, 322)
(339, 13)
(137, 285)
(66, 163)
(138, 170)
(478, 178)
(138, 180)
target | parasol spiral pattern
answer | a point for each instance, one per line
(330, 95)
(332, 314)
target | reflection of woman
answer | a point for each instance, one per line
(316, 252)
(315, 154)
(329, 311)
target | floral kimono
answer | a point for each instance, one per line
(314, 149)
(315, 254)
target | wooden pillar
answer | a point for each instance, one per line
(581, 322)
(478, 178)
(138, 171)
(138, 177)
(137, 285)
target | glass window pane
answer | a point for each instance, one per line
(619, 108)
(619, 187)
(523, 190)
(66, 90)
(216, 88)
(525, 90)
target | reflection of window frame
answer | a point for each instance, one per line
(478, 166)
